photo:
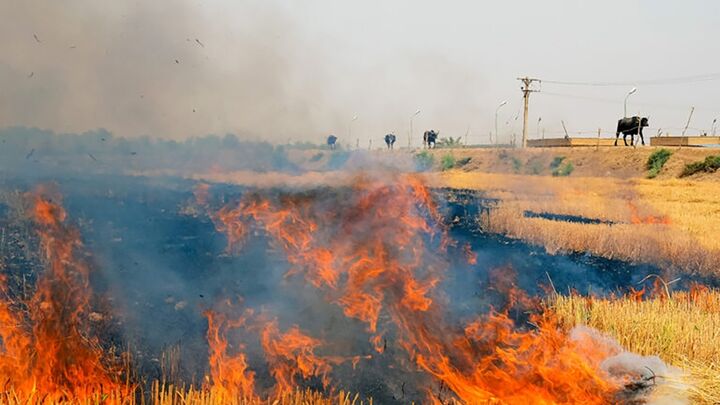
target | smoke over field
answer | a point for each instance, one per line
(381, 286)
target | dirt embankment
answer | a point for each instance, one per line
(619, 162)
(616, 162)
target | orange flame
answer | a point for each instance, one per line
(230, 376)
(46, 351)
(636, 218)
(636, 295)
(291, 355)
(374, 252)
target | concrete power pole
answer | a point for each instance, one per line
(526, 83)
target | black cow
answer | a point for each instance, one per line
(631, 126)
(331, 140)
(390, 141)
(429, 138)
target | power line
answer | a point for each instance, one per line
(654, 82)
(615, 101)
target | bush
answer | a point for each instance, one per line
(447, 162)
(424, 161)
(557, 161)
(656, 161)
(709, 165)
(563, 170)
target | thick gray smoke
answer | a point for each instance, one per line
(178, 69)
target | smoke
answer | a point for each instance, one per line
(180, 69)
(655, 381)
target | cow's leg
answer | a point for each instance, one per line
(625, 139)
(642, 139)
(617, 136)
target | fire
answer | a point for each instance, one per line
(636, 218)
(230, 376)
(291, 355)
(375, 250)
(47, 351)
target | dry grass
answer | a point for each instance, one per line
(163, 394)
(648, 243)
(170, 395)
(693, 206)
(691, 210)
(683, 330)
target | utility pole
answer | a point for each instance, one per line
(526, 83)
(692, 110)
(411, 127)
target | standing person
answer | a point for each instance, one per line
(430, 138)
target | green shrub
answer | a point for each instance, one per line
(563, 170)
(447, 162)
(709, 165)
(557, 161)
(424, 161)
(656, 161)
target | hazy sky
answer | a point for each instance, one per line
(299, 70)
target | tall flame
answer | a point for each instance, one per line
(374, 250)
(46, 350)
(230, 376)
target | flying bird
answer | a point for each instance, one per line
(36, 38)
(177, 61)
(199, 43)
(31, 74)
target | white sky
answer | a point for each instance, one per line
(299, 70)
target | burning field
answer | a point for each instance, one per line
(136, 291)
